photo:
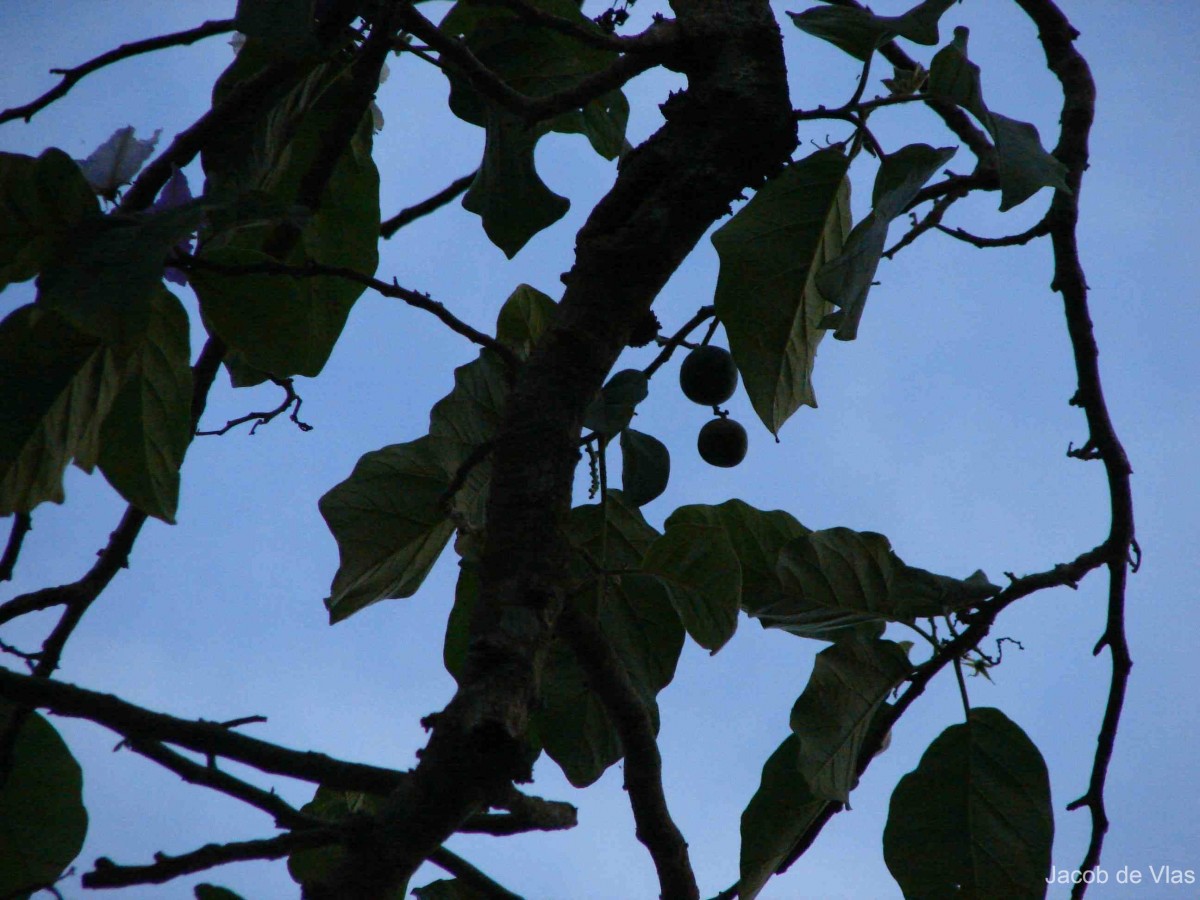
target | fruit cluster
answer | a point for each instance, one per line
(709, 377)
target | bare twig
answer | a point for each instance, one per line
(931, 220)
(291, 398)
(21, 526)
(316, 270)
(437, 201)
(108, 874)
(469, 875)
(125, 51)
(136, 723)
(1041, 229)
(677, 339)
(643, 764)
(286, 816)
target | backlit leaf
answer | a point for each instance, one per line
(613, 409)
(645, 466)
(42, 818)
(974, 819)
(117, 160)
(766, 296)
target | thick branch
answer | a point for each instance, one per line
(135, 723)
(643, 763)
(70, 77)
(471, 876)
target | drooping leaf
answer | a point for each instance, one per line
(117, 160)
(320, 864)
(837, 580)
(781, 810)
(105, 280)
(388, 520)
(56, 386)
(42, 818)
(524, 316)
(284, 27)
(849, 682)
(507, 193)
(613, 409)
(458, 623)
(41, 201)
(766, 296)
(149, 427)
(974, 819)
(697, 564)
(645, 466)
(860, 32)
(574, 726)
(1022, 163)
(846, 279)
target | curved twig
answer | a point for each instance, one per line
(437, 201)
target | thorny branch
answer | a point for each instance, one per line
(70, 77)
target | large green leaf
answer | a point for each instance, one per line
(838, 580)
(507, 193)
(696, 562)
(105, 281)
(56, 386)
(860, 32)
(276, 325)
(41, 201)
(42, 818)
(636, 616)
(389, 523)
(645, 466)
(526, 314)
(846, 279)
(284, 27)
(766, 295)
(849, 682)
(781, 810)
(974, 819)
(148, 429)
(614, 408)
(1022, 163)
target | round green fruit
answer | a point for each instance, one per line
(708, 376)
(722, 442)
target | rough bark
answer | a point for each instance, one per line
(727, 131)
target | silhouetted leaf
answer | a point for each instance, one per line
(860, 32)
(213, 892)
(974, 819)
(645, 466)
(837, 580)
(697, 564)
(777, 816)
(524, 316)
(149, 427)
(449, 889)
(766, 295)
(846, 279)
(41, 201)
(56, 386)
(285, 27)
(42, 818)
(388, 520)
(613, 409)
(849, 682)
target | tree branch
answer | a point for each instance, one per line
(1041, 229)
(393, 290)
(286, 816)
(471, 876)
(21, 526)
(136, 723)
(643, 763)
(650, 40)
(72, 76)
(108, 874)
(437, 201)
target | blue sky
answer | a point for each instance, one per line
(944, 426)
